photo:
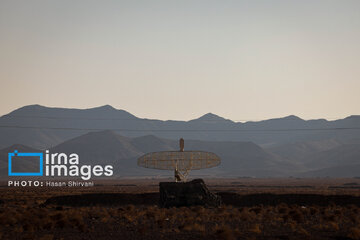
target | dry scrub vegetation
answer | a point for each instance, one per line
(23, 215)
(151, 222)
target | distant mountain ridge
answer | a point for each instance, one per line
(43, 127)
(42, 111)
(329, 158)
(210, 117)
(108, 147)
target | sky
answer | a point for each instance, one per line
(242, 60)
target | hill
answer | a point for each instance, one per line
(344, 155)
(43, 127)
(239, 159)
(299, 151)
(108, 147)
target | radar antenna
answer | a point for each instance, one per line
(181, 162)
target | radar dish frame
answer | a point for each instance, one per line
(180, 161)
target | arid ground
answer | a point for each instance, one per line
(127, 209)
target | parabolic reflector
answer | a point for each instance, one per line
(182, 161)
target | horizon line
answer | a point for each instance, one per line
(294, 116)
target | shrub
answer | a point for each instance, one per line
(296, 215)
(313, 210)
(283, 210)
(256, 210)
(224, 233)
(333, 226)
(255, 228)
(354, 233)
(47, 237)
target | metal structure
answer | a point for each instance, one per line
(181, 162)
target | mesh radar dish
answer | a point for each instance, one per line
(181, 162)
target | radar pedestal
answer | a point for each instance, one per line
(180, 194)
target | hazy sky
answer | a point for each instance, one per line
(243, 60)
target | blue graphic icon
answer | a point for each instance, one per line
(16, 153)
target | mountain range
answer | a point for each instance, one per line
(288, 146)
(108, 147)
(43, 127)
